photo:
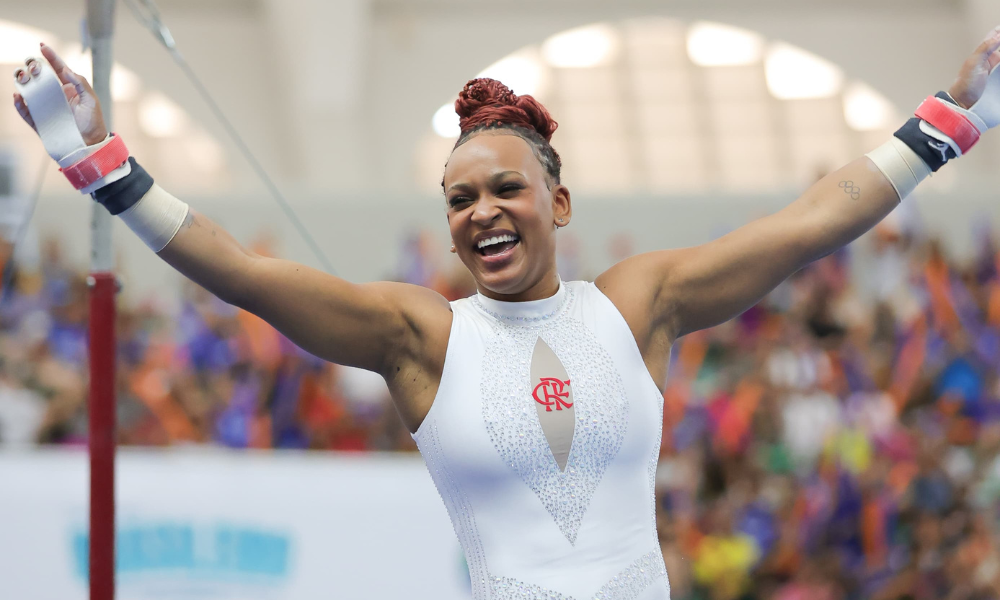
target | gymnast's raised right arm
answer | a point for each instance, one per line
(363, 325)
(381, 327)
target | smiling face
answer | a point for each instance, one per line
(503, 212)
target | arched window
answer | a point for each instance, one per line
(659, 106)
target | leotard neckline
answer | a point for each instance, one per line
(531, 311)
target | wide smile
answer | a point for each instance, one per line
(495, 251)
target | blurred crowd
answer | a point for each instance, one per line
(840, 440)
(208, 373)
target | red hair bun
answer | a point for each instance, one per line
(488, 102)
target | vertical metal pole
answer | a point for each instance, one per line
(103, 287)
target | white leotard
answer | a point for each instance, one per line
(531, 529)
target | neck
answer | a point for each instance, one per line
(546, 287)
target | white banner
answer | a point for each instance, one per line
(218, 525)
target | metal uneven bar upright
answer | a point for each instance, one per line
(103, 287)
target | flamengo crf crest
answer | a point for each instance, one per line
(553, 398)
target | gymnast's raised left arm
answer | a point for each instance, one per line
(693, 288)
(706, 285)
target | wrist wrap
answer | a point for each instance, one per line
(957, 126)
(121, 195)
(107, 157)
(153, 214)
(932, 145)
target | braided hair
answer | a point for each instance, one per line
(488, 105)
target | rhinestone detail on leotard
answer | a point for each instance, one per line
(654, 458)
(460, 510)
(520, 319)
(626, 585)
(635, 578)
(601, 407)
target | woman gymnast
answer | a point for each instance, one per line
(536, 403)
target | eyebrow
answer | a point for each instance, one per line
(493, 179)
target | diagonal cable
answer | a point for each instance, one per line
(149, 16)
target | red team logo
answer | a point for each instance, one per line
(553, 392)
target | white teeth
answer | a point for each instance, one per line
(496, 240)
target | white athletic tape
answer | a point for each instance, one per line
(156, 218)
(901, 166)
(43, 95)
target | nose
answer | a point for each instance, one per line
(486, 211)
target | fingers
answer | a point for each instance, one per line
(70, 91)
(79, 83)
(22, 109)
(34, 67)
(991, 44)
(58, 65)
(73, 85)
(994, 60)
(62, 70)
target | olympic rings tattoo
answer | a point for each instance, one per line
(850, 188)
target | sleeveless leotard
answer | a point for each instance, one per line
(543, 441)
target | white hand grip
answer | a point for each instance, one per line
(988, 107)
(43, 94)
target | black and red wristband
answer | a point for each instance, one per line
(934, 152)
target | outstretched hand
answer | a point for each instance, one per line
(81, 97)
(971, 82)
